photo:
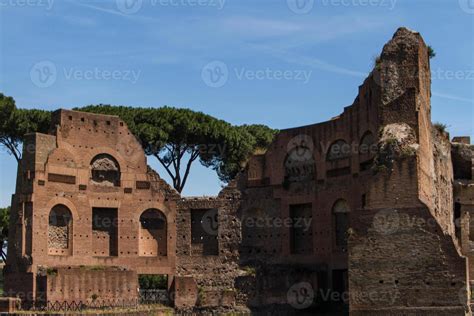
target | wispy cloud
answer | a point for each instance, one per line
(451, 97)
(288, 39)
(115, 12)
(291, 33)
(312, 62)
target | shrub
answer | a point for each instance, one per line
(440, 127)
(431, 52)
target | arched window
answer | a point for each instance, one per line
(60, 231)
(300, 164)
(340, 212)
(366, 143)
(340, 149)
(105, 170)
(153, 234)
(367, 150)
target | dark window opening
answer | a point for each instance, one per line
(341, 229)
(105, 232)
(204, 232)
(301, 240)
(341, 224)
(364, 200)
(366, 165)
(457, 219)
(340, 284)
(340, 149)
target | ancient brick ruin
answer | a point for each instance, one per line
(372, 208)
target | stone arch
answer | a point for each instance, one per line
(105, 170)
(62, 200)
(339, 149)
(153, 233)
(300, 164)
(340, 213)
(366, 142)
(60, 231)
(93, 152)
(367, 150)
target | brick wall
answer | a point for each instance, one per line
(213, 261)
(90, 285)
(106, 226)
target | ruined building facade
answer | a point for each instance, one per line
(372, 208)
(377, 182)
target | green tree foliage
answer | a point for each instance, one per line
(152, 282)
(4, 222)
(16, 123)
(262, 134)
(179, 137)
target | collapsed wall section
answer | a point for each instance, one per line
(403, 256)
(208, 238)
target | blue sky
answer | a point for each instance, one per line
(285, 63)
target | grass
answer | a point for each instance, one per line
(151, 309)
(250, 270)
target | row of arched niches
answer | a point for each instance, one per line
(151, 239)
(300, 162)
